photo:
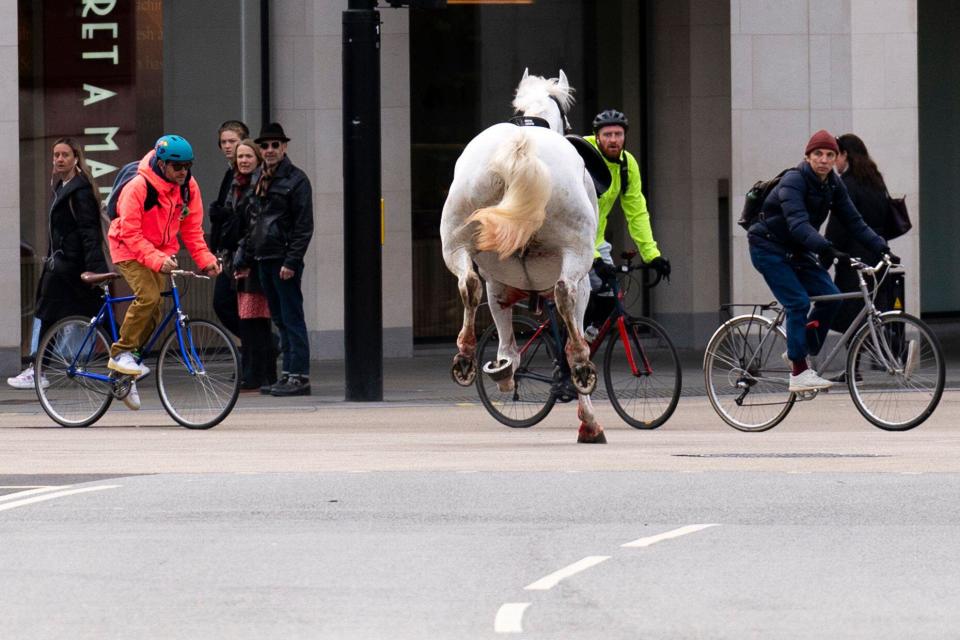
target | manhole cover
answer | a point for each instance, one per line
(779, 455)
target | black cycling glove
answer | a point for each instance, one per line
(662, 266)
(831, 255)
(604, 270)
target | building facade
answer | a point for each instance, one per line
(720, 93)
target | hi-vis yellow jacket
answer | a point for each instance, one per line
(632, 202)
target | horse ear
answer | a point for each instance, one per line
(562, 82)
(526, 72)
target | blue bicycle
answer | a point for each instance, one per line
(197, 368)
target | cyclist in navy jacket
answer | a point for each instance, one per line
(785, 242)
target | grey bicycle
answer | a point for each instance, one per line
(894, 368)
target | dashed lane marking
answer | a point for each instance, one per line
(510, 617)
(675, 533)
(552, 580)
(31, 490)
(50, 496)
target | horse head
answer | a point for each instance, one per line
(547, 98)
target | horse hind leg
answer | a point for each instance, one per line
(571, 303)
(590, 430)
(464, 368)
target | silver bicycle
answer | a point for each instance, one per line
(894, 367)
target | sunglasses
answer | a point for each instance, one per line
(181, 166)
(273, 144)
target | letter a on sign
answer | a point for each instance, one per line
(96, 94)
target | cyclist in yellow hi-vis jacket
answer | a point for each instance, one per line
(610, 130)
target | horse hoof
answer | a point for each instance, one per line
(584, 377)
(463, 371)
(596, 438)
(499, 370)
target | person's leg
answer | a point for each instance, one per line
(225, 303)
(291, 306)
(816, 281)
(269, 272)
(144, 313)
(788, 290)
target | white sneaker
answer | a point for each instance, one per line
(913, 358)
(808, 381)
(24, 380)
(132, 399)
(124, 363)
(144, 371)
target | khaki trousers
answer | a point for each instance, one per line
(145, 312)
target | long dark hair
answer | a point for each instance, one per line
(861, 165)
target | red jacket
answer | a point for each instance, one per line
(150, 236)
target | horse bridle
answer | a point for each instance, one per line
(536, 121)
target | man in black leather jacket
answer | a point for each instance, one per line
(281, 227)
(785, 242)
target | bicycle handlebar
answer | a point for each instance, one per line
(189, 274)
(885, 261)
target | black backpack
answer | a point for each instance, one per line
(127, 173)
(753, 203)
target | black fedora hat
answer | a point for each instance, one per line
(272, 131)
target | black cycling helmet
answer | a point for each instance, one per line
(609, 117)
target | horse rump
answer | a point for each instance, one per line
(507, 226)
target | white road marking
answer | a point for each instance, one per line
(510, 617)
(29, 486)
(50, 496)
(32, 491)
(676, 533)
(552, 580)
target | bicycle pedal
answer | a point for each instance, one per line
(807, 395)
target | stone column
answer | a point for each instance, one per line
(10, 186)
(841, 65)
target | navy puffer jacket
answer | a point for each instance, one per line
(794, 212)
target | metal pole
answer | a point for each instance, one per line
(363, 306)
(264, 61)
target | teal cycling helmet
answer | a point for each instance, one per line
(173, 148)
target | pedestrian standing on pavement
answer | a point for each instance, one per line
(225, 223)
(869, 194)
(258, 354)
(281, 226)
(75, 245)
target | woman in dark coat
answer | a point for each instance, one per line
(258, 353)
(75, 245)
(868, 192)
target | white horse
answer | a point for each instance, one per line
(523, 209)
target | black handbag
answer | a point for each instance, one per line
(897, 222)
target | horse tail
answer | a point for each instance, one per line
(508, 226)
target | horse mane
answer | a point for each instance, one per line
(531, 90)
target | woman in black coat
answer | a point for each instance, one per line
(75, 245)
(868, 192)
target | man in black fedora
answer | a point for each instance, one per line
(281, 226)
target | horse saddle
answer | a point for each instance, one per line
(594, 162)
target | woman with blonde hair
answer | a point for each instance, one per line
(75, 245)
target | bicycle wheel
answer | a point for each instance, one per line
(643, 376)
(747, 381)
(203, 397)
(69, 348)
(896, 381)
(532, 396)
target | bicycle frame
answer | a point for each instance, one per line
(616, 318)
(193, 363)
(868, 310)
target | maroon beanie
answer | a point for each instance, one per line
(822, 139)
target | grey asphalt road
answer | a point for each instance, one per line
(421, 517)
(444, 554)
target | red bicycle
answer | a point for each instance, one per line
(641, 371)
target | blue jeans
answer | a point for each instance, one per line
(793, 281)
(286, 308)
